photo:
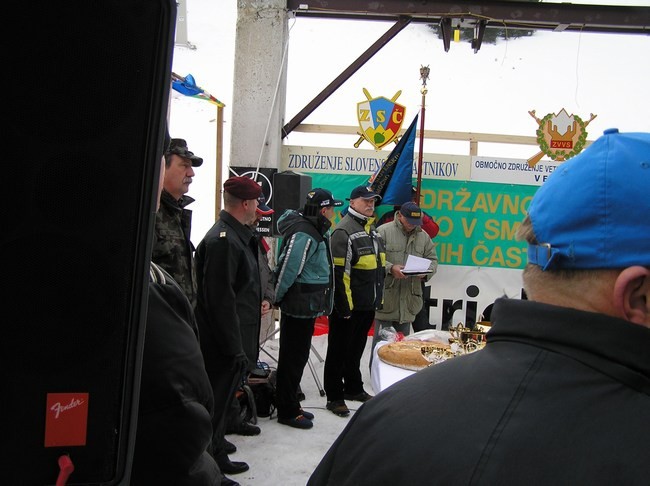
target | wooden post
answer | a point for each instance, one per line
(473, 148)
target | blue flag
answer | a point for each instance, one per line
(187, 86)
(394, 179)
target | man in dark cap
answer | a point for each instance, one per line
(561, 392)
(172, 248)
(229, 302)
(403, 236)
(174, 433)
(359, 258)
(430, 227)
(304, 291)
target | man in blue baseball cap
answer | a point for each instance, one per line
(561, 392)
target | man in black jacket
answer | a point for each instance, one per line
(561, 392)
(174, 420)
(229, 302)
(359, 260)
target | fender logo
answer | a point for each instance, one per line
(57, 408)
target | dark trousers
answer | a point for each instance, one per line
(233, 415)
(224, 385)
(421, 321)
(295, 343)
(346, 341)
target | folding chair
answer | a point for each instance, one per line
(321, 391)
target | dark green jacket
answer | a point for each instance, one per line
(172, 248)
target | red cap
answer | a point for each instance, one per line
(243, 187)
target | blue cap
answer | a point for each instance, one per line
(412, 213)
(594, 210)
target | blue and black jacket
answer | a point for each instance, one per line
(304, 273)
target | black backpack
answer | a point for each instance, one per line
(258, 397)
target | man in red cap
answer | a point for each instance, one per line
(229, 303)
(235, 424)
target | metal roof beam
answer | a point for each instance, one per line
(345, 75)
(512, 14)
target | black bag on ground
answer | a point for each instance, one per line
(263, 392)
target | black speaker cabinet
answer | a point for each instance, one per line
(289, 192)
(85, 99)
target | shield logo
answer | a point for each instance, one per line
(380, 119)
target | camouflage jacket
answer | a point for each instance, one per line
(172, 248)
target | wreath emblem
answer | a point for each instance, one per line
(560, 136)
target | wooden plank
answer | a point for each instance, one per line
(428, 134)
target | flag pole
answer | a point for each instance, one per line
(424, 75)
(218, 174)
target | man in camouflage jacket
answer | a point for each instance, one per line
(172, 248)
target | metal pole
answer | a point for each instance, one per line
(424, 75)
(219, 175)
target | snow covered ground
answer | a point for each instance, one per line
(287, 456)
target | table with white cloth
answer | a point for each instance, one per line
(383, 375)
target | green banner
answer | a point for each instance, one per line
(478, 220)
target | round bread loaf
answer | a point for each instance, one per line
(414, 355)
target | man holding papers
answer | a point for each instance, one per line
(410, 257)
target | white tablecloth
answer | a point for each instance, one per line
(383, 375)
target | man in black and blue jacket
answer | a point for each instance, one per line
(304, 291)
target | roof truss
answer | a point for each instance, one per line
(511, 14)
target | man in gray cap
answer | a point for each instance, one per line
(561, 392)
(359, 259)
(172, 248)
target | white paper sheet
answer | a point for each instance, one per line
(416, 265)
